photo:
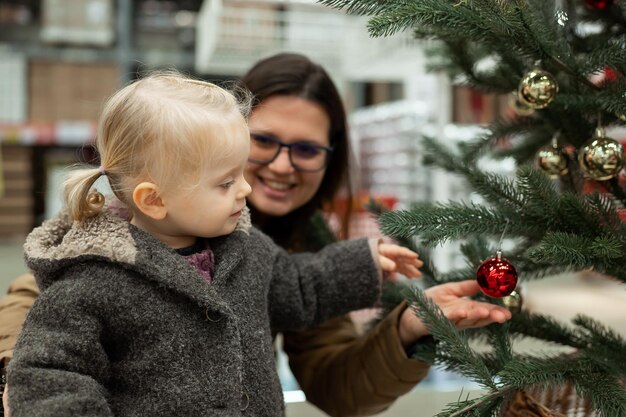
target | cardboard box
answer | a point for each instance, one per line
(17, 200)
(61, 91)
(471, 106)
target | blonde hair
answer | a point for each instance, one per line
(153, 129)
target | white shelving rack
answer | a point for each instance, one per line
(388, 139)
(13, 87)
(233, 34)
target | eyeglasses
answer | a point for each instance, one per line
(303, 156)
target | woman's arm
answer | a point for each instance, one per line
(14, 307)
(345, 374)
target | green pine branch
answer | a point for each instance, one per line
(443, 222)
(554, 225)
(567, 230)
(459, 355)
(606, 393)
(605, 341)
(507, 129)
(485, 406)
(543, 327)
(539, 17)
(500, 341)
(598, 357)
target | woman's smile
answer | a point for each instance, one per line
(278, 188)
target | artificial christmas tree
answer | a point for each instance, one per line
(550, 54)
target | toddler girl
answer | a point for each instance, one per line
(169, 313)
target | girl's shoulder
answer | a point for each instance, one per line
(92, 283)
(258, 239)
(95, 275)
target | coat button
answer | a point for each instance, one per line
(245, 400)
(214, 317)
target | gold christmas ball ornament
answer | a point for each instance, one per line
(601, 157)
(520, 107)
(552, 160)
(513, 302)
(538, 88)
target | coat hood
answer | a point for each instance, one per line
(61, 242)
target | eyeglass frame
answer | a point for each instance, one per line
(289, 146)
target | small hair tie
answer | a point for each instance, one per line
(102, 170)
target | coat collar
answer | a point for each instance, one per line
(59, 243)
(164, 267)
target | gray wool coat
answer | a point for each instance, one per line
(124, 326)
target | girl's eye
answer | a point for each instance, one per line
(227, 184)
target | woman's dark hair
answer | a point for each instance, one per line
(289, 74)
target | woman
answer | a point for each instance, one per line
(299, 160)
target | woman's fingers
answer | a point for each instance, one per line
(465, 288)
(465, 313)
(482, 316)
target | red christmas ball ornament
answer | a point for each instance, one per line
(599, 4)
(497, 277)
(610, 74)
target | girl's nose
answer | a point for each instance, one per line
(245, 189)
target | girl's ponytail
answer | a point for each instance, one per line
(81, 201)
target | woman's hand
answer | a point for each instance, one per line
(397, 259)
(463, 312)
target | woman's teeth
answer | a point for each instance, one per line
(278, 185)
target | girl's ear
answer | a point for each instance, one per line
(147, 200)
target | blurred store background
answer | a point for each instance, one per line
(60, 59)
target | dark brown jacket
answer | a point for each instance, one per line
(347, 374)
(13, 309)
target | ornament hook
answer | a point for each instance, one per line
(599, 133)
(499, 250)
(555, 139)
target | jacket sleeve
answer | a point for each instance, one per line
(14, 307)
(59, 366)
(310, 288)
(345, 374)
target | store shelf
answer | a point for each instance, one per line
(75, 133)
